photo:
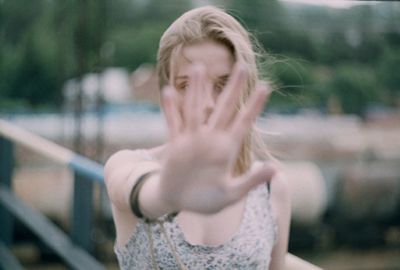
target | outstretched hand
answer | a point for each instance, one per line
(202, 151)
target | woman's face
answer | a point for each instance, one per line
(216, 62)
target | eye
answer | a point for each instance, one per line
(219, 87)
(181, 87)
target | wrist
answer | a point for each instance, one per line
(151, 199)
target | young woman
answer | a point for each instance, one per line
(202, 201)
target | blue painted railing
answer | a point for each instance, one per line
(75, 249)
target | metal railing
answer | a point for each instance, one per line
(74, 249)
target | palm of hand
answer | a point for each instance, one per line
(197, 171)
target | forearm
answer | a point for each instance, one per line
(150, 200)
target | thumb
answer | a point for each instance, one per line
(243, 184)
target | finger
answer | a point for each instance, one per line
(192, 109)
(200, 88)
(240, 186)
(228, 102)
(171, 112)
(249, 112)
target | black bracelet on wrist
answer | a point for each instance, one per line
(134, 196)
(134, 199)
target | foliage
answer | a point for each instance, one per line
(33, 78)
(389, 75)
(355, 87)
(313, 52)
(293, 81)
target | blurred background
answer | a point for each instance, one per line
(81, 73)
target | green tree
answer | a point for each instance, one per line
(294, 80)
(355, 86)
(389, 75)
(34, 82)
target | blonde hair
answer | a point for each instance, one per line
(211, 23)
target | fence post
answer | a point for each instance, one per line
(6, 171)
(82, 212)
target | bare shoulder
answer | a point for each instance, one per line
(129, 157)
(121, 159)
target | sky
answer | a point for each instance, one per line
(332, 3)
